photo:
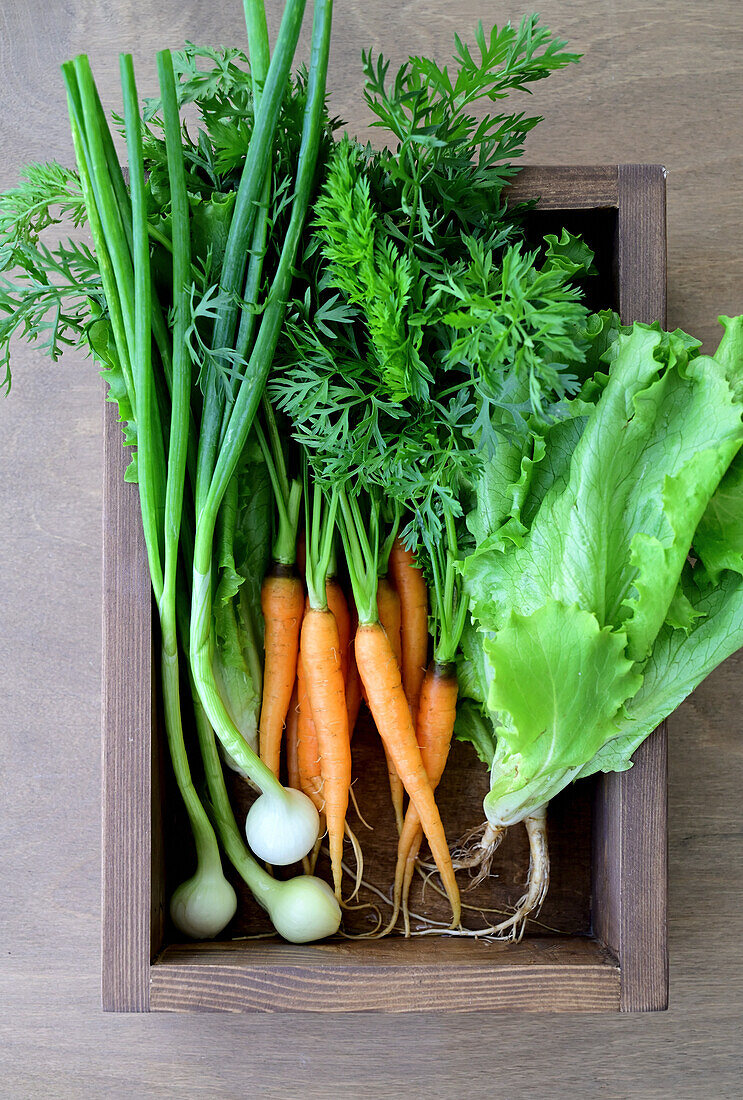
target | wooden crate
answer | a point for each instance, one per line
(601, 944)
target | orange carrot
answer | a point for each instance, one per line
(282, 601)
(381, 676)
(338, 605)
(347, 619)
(292, 730)
(414, 621)
(436, 715)
(353, 683)
(308, 763)
(388, 607)
(321, 666)
(308, 753)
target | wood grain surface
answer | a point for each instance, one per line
(660, 82)
(630, 853)
(127, 794)
(430, 975)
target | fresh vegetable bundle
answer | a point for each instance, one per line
(370, 425)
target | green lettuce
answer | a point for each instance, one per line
(589, 624)
(243, 545)
(681, 659)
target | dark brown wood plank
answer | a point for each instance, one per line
(631, 874)
(426, 975)
(567, 187)
(644, 955)
(641, 244)
(127, 723)
(631, 831)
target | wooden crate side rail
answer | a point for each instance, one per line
(590, 187)
(537, 975)
(126, 738)
(630, 902)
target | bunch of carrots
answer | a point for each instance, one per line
(322, 660)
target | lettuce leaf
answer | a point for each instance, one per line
(99, 338)
(244, 542)
(718, 540)
(614, 538)
(556, 672)
(588, 625)
(680, 660)
(471, 725)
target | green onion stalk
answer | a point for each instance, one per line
(260, 57)
(206, 902)
(287, 493)
(237, 248)
(282, 825)
(199, 891)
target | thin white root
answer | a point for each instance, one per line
(376, 934)
(474, 852)
(537, 885)
(373, 934)
(428, 881)
(358, 811)
(358, 856)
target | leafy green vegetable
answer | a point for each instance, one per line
(243, 552)
(559, 680)
(680, 660)
(54, 290)
(46, 194)
(425, 335)
(444, 176)
(589, 626)
(718, 540)
(471, 726)
(614, 539)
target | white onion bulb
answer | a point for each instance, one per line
(282, 829)
(304, 909)
(202, 905)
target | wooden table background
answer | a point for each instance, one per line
(661, 81)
